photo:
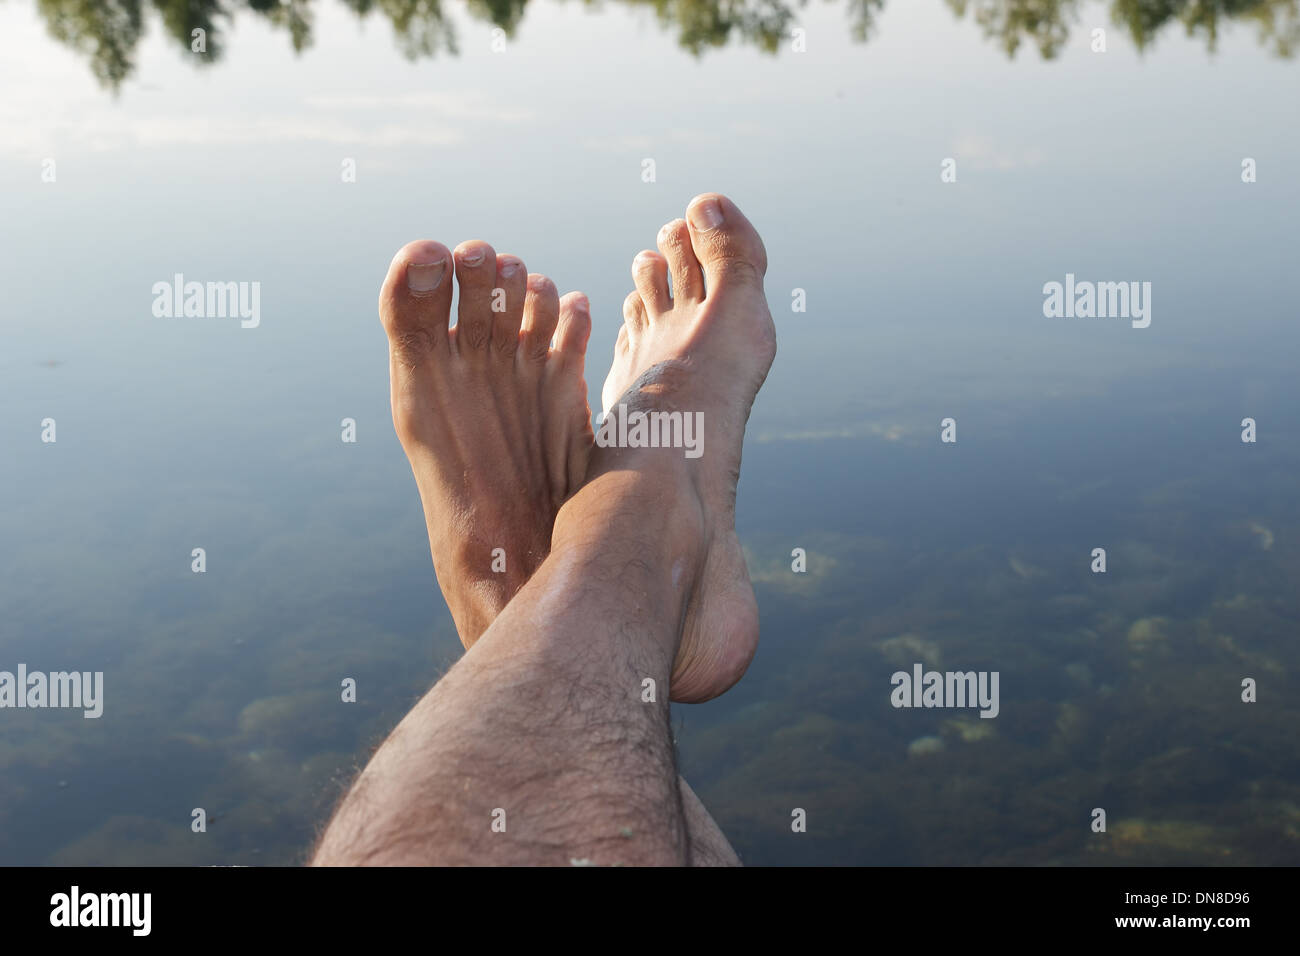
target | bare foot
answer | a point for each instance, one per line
(494, 421)
(705, 349)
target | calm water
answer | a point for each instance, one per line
(924, 301)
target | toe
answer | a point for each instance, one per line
(725, 243)
(568, 420)
(508, 299)
(675, 244)
(634, 314)
(574, 329)
(415, 300)
(650, 275)
(541, 314)
(476, 272)
(622, 343)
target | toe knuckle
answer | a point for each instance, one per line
(730, 264)
(411, 340)
(476, 334)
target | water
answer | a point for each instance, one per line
(924, 301)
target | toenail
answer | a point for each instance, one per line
(581, 304)
(471, 257)
(706, 215)
(537, 283)
(509, 267)
(424, 277)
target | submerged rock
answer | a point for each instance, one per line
(907, 648)
(969, 729)
(922, 746)
(1146, 632)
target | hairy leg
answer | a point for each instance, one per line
(536, 747)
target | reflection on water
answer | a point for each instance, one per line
(108, 32)
(1046, 23)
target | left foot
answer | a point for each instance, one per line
(494, 421)
(704, 348)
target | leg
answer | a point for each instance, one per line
(709, 845)
(542, 718)
(729, 334)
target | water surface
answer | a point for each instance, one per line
(924, 301)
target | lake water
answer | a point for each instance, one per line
(532, 127)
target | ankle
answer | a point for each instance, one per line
(646, 518)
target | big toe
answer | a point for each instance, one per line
(415, 299)
(414, 306)
(725, 242)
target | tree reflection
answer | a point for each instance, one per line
(419, 25)
(1046, 23)
(107, 32)
(1011, 21)
(1278, 21)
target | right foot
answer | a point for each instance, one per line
(706, 348)
(494, 421)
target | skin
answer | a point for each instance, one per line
(493, 419)
(542, 722)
